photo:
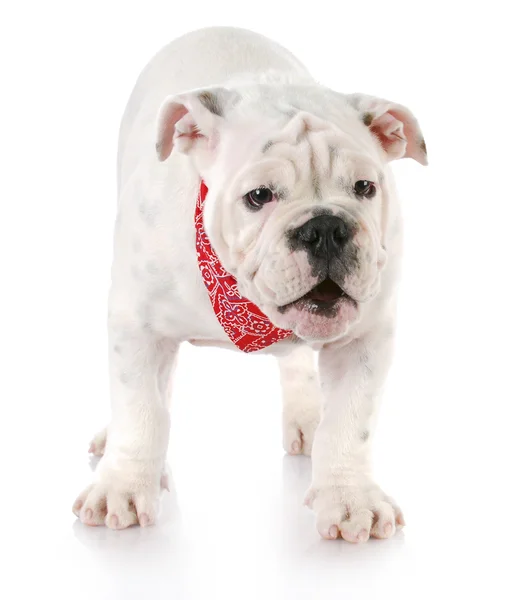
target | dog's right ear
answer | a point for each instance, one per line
(191, 120)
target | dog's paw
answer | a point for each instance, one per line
(119, 499)
(354, 512)
(300, 420)
(98, 444)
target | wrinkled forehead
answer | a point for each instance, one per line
(296, 148)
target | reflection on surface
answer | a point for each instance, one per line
(287, 537)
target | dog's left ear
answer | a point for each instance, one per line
(394, 126)
(191, 120)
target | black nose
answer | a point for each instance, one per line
(323, 236)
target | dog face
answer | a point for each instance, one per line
(297, 202)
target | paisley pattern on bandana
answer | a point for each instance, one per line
(244, 323)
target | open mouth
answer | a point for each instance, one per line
(321, 299)
(327, 292)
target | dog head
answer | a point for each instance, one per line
(297, 202)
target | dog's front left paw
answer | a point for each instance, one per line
(354, 512)
(119, 499)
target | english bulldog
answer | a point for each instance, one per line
(256, 211)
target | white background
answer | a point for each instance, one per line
(234, 525)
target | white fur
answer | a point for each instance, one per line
(158, 300)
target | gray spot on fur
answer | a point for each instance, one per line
(365, 360)
(345, 186)
(364, 436)
(320, 210)
(367, 118)
(152, 267)
(148, 213)
(267, 146)
(364, 356)
(316, 186)
(211, 102)
(145, 314)
(423, 146)
(281, 192)
(333, 152)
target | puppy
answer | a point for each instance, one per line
(256, 211)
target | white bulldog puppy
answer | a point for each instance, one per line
(256, 211)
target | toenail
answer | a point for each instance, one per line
(295, 446)
(143, 519)
(114, 521)
(388, 529)
(333, 532)
(88, 514)
(363, 536)
(91, 450)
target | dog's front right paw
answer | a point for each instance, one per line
(119, 499)
(354, 512)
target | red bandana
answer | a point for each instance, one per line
(246, 326)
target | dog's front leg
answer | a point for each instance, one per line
(343, 494)
(127, 481)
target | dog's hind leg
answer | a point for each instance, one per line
(98, 443)
(301, 398)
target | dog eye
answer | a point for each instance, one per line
(259, 197)
(365, 189)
